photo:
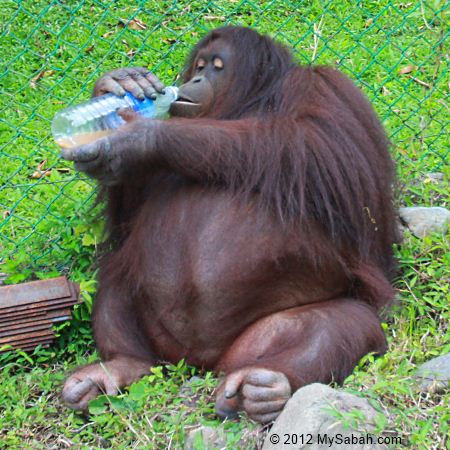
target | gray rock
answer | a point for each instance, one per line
(434, 375)
(210, 438)
(309, 416)
(189, 393)
(436, 177)
(207, 438)
(430, 177)
(422, 220)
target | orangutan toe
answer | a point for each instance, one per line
(86, 384)
(261, 393)
(77, 392)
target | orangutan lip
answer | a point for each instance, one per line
(186, 101)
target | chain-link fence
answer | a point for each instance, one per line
(52, 51)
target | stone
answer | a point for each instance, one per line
(434, 375)
(309, 416)
(215, 438)
(435, 177)
(423, 221)
(188, 392)
(206, 438)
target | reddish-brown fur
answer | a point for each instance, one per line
(257, 235)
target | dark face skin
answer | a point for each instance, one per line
(209, 75)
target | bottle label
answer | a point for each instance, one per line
(145, 108)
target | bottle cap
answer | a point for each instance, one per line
(172, 91)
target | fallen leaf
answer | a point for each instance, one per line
(41, 74)
(41, 165)
(133, 24)
(108, 34)
(41, 173)
(213, 17)
(137, 24)
(422, 83)
(407, 69)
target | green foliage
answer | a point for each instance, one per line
(54, 50)
(152, 412)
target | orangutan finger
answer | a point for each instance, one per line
(109, 85)
(233, 383)
(263, 407)
(82, 153)
(260, 393)
(265, 377)
(74, 391)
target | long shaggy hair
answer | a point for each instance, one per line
(306, 143)
(321, 158)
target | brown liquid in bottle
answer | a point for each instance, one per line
(81, 139)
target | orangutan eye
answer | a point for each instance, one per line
(201, 63)
(218, 63)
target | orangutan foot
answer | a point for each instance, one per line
(261, 393)
(101, 378)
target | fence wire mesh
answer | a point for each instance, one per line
(52, 51)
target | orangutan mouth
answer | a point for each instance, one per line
(186, 101)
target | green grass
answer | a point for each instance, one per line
(53, 52)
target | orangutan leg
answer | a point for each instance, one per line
(276, 355)
(124, 352)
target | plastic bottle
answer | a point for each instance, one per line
(86, 122)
